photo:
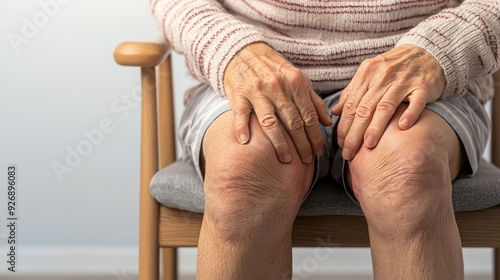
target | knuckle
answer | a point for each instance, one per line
(388, 70)
(369, 63)
(310, 119)
(387, 107)
(426, 84)
(285, 107)
(294, 75)
(364, 111)
(349, 108)
(272, 80)
(269, 120)
(295, 124)
(241, 109)
(407, 75)
(259, 84)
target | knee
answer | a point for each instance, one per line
(247, 187)
(405, 180)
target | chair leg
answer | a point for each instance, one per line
(169, 256)
(496, 263)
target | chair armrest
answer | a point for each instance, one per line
(143, 54)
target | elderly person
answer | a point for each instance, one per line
(383, 96)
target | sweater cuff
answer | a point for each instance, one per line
(438, 45)
(231, 39)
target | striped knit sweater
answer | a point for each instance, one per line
(328, 40)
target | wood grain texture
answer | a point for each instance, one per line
(477, 229)
(148, 223)
(142, 54)
(169, 262)
(166, 139)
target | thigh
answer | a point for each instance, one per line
(203, 107)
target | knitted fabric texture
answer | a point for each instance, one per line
(328, 40)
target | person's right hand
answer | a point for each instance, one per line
(260, 79)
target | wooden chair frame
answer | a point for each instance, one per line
(169, 229)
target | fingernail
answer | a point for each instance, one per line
(404, 122)
(308, 158)
(286, 158)
(370, 142)
(346, 154)
(243, 138)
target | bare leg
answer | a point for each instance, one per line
(404, 188)
(251, 203)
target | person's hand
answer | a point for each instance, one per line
(404, 74)
(258, 78)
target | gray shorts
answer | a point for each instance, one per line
(464, 114)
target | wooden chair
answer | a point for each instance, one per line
(168, 229)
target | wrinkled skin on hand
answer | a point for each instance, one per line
(404, 74)
(261, 80)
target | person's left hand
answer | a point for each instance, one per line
(404, 74)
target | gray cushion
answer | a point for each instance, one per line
(178, 186)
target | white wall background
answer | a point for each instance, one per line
(58, 82)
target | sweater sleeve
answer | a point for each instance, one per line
(465, 40)
(206, 34)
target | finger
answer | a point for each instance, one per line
(321, 110)
(354, 92)
(363, 116)
(293, 122)
(299, 115)
(348, 112)
(241, 108)
(303, 101)
(346, 119)
(417, 102)
(386, 108)
(337, 108)
(264, 110)
(309, 117)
